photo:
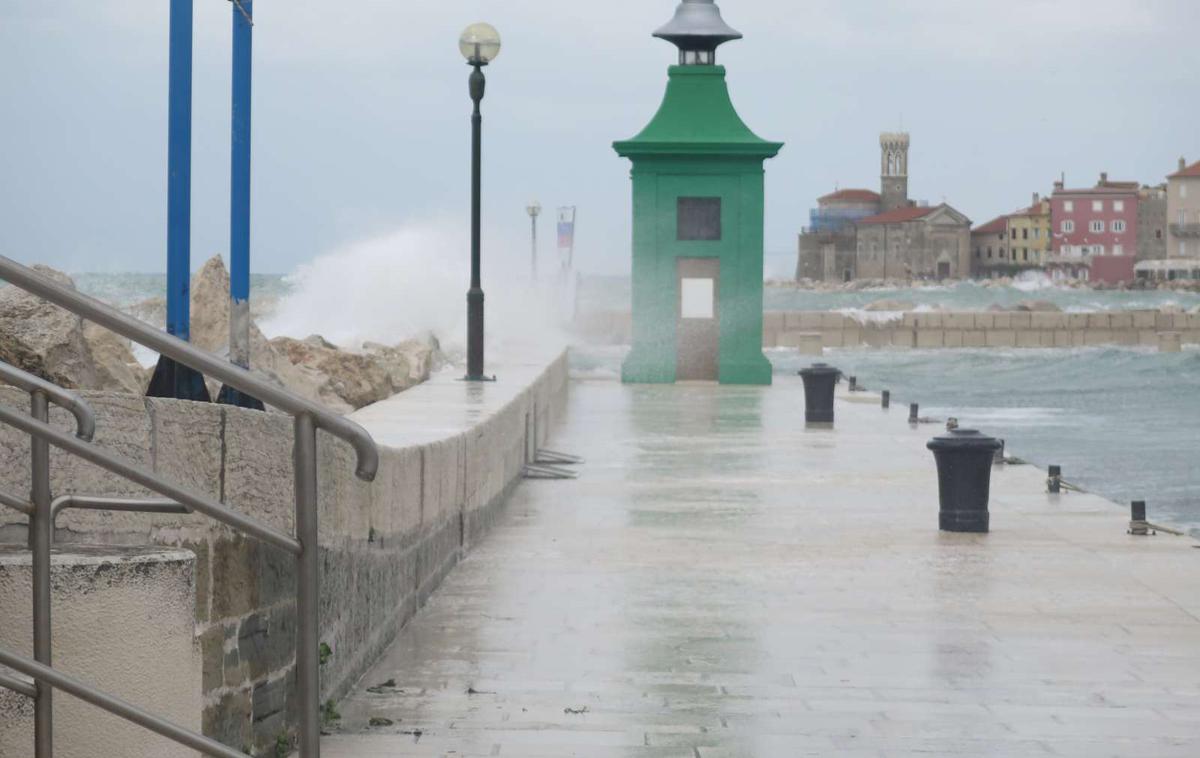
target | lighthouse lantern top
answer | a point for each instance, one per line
(697, 30)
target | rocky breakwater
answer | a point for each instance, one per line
(59, 346)
(340, 378)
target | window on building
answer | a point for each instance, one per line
(978, 252)
(1097, 249)
(1182, 217)
(695, 298)
(1118, 249)
(1069, 206)
(1118, 226)
(989, 253)
(1096, 227)
(1158, 234)
(1097, 206)
(1118, 205)
(1025, 233)
(698, 218)
(1068, 226)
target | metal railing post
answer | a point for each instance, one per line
(41, 525)
(308, 683)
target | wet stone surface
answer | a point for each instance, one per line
(722, 581)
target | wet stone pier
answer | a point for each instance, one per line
(722, 581)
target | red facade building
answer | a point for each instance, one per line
(1096, 227)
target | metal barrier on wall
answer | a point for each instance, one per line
(42, 509)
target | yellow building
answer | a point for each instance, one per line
(1028, 235)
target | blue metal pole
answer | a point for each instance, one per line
(239, 203)
(239, 194)
(171, 379)
(179, 170)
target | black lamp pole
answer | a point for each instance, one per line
(475, 293)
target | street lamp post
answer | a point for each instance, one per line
(479, 44)
(533, 209)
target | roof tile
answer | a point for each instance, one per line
(995, 226)
(851, 196)
(900, 215)
(1192, 170)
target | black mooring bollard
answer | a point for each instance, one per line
(819, 381)
(853, 384)
(1054, 480)
(885, 399)
(964, 464)
(1137, 519)
(914, 413)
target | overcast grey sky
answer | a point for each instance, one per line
(361, 113)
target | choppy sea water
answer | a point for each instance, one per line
(126, 289)
(1122, 422)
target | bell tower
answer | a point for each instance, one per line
(893, 170)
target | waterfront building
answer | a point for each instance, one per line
(1183, 211)
(1095, 230)
(1168, 270)
(827, 244)
(1152, 223)
(1029, 235)
(858, 233)
(989, 247)
(918, 242)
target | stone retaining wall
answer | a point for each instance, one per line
(945, 329)
(385, 545)
(101, 599)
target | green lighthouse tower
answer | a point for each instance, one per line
(697, 221)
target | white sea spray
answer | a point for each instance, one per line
(413, 282)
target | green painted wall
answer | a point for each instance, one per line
(697, 146)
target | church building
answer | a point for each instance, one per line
(861, 234)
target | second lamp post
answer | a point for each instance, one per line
(480, 44)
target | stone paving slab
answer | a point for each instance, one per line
(722, 581)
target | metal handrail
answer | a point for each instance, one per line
(91, 453)
(307, 418)
(85, 420)
(41, 534)
(206, 363)
(115, 705)
(16, 503)
(126, 504)
(19, 686)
